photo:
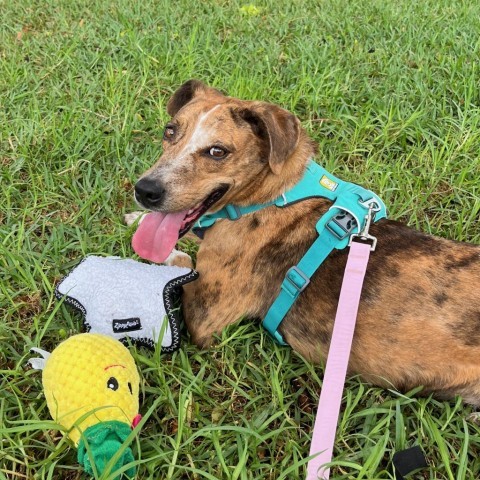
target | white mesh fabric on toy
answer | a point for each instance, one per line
(125, 298)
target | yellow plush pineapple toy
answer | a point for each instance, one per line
(91, 385)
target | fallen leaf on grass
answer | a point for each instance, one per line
(21, 33)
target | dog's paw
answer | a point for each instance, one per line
(131, 218)
(179, 259)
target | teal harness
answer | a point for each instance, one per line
(349, 214)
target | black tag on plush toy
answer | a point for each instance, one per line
(126, 325)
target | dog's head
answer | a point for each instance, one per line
(219, 150)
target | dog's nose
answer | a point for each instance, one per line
(149, 193)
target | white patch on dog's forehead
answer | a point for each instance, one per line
(197, 140)
(199, 133)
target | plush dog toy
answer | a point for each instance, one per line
(91, 385)
(125, 298)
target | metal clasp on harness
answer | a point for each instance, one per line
(371, 202)
(364, 235)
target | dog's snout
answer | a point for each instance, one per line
(149, 193)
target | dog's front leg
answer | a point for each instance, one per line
(228, 287)
(179, 259)
(225, 291)
(208, 309)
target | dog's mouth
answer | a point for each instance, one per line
(158, 232)
(196, 212)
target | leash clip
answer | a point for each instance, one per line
(364, 235)
(371, 202)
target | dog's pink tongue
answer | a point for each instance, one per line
(157, 235)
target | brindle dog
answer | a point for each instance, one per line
(419, 318)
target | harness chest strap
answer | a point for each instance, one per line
(346, 217)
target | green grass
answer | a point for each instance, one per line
(389, 90)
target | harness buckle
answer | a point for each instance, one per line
(364, 235)
(342, 224)
(297, 279)
(233, 212)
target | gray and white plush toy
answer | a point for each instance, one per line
(125, 298)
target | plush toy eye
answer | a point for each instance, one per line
(112, 383)
(130, 388)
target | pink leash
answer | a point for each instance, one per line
(323, 437)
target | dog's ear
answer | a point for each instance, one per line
(186, 93)
(279, 128)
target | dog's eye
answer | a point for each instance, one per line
(169, 132)
(217, 152)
